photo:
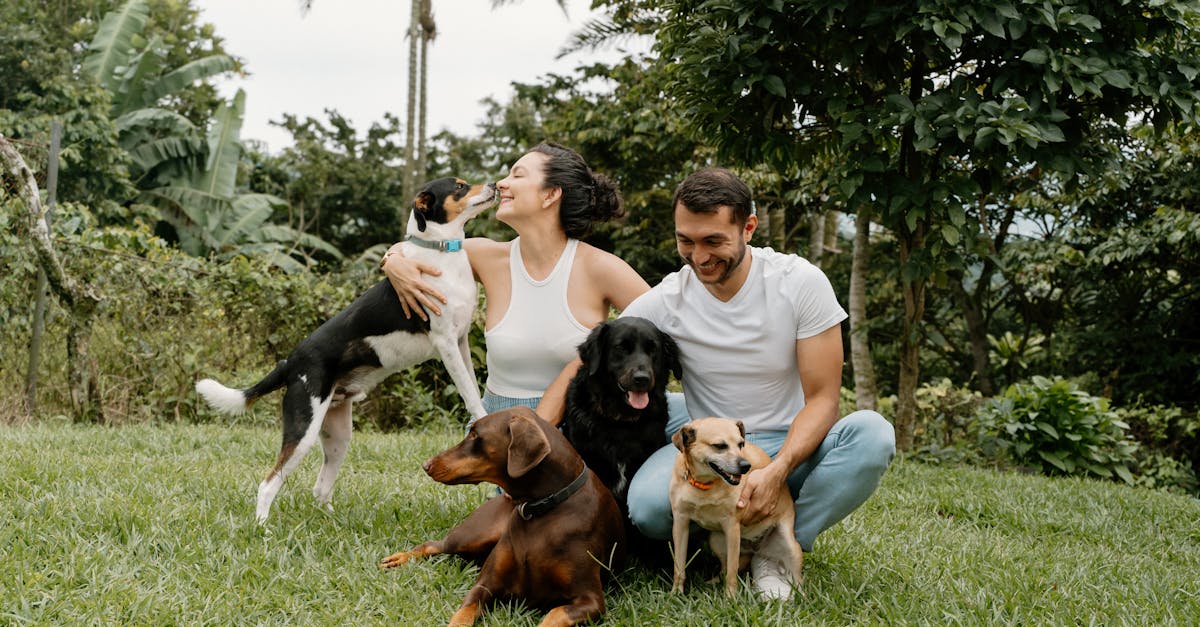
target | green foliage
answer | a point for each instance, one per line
(340, 185)
(1053, 426)
(187, 171)
(169, 319)
(1136, 312)
(1169, 451)
(1014, 355)
(39, 85)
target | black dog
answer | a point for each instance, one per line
(616, 405)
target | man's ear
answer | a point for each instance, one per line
(527, 447)
(751, 224)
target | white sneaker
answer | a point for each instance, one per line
(770, 579)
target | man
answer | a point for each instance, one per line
(760, 341)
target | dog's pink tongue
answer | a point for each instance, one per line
(638, 400)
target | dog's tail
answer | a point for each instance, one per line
(232, 401)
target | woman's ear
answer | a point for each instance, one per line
(553, 195)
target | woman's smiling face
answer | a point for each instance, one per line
(523, 191)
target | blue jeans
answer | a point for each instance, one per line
(835, 480)
(493, 403)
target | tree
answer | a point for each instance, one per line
(80, 299)
(188, 172)
(38, 64)
(927, 102)
(340, 184)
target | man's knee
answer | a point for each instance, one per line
(872, 436)
(649, 498)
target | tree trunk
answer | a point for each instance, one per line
(977, 333)
(81, 302)
(830, 232)
(913, 290)
(865, 389)
(409, 178)
(816, 239)
(428, 32)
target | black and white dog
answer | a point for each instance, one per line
(616, 404)
(368, 341)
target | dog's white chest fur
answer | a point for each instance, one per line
(401, 349)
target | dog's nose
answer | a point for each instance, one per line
(428, 463)
(743, 466)
(641, 379)
(492, 185)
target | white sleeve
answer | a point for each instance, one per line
(812, 297)
(649, 306)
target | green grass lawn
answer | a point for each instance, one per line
(154, 525)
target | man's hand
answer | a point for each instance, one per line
(760, 493)
(415, 294)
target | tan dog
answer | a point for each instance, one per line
(705, 487)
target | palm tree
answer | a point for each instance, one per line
(188, 173)
(428, 34)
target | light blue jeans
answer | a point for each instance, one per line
(834, 481)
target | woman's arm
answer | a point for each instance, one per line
(416, 295)
(405, 275)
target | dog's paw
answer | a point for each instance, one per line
(396, 559)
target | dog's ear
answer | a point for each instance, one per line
(421, 204)
(671, 355)
(528, 445)
(591, 352)
(742, 428)
(682, 438)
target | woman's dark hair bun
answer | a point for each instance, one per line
(606, 199)
(587, 197)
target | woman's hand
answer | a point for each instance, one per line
(405, 275)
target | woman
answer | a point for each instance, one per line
(545, 289)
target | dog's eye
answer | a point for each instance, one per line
(720, 446)
(742, 444)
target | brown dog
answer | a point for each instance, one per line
(547, 539)
(705, 487)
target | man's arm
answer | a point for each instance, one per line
(819, 360)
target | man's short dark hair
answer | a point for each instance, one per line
(707, 190)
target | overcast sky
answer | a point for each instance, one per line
(351, 56)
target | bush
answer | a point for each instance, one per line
(1052, 425)
(1169, 441)
(947, 426)
(169, 319)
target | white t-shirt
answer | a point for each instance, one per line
(739, 357)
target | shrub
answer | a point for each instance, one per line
(947, 425)
(1052, 425)
(1169, 441)
(169, 319)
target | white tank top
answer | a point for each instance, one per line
(538, 335)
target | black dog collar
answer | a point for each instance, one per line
(533, 509)
(444, 245)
